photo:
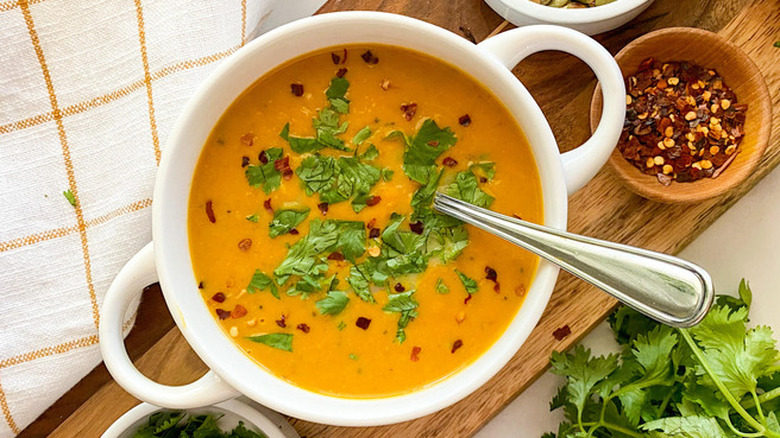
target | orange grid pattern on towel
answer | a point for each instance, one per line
(60, 110)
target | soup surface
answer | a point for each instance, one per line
(311, 228)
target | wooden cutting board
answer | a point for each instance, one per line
(604, 209)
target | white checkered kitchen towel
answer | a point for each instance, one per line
(89, 90)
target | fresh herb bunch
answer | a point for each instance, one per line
(715, 380)
(180, 425)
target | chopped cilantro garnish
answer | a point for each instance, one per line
(260, 282)
(353, 356)
(422, 150)
(281, 341)
(342, 325)
(286, 220)
(169, 424)
(336, 94)
(441, 287)
(70, 197)
(309, 284)
(371, 153)
(333, 304)
(360, 283)
(338, 180)
(466, 188)
(253, 218)
(266, 175)
(387, 174)
(361, 136)
(469, 283)
(404, 304)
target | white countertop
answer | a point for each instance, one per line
(748, 236)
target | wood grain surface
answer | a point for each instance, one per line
(604, 209)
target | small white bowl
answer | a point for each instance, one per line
(232, 411)
(586, 20)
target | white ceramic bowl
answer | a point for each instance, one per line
(587, 20)
(232, 411)
(168, 257)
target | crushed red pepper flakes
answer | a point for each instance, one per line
(449, 162)
(373, 200)
(409, 110)
(336, 256)
(267, 206)
(248, 139)
(294, 231)
(385, 84)
(244, 161)
(363, 323)
(369, 58)
(219, 297)
(200, 285)
(497, 287)
(433, 143)
(303, 327)
(344, 56)
(373, 233)
(263, 157)
(287, 174)
(335, 58)
(282, 322)
(468, 298)
(516, 216)
(482, 179)
(561, 332)
(417, 227)
(341, 72)
(282, 164)
(464, 120)
(323, 206)
(415, 353)
(222, 314)
(238, 311)
(491, 273)
(683, 123)
(210, 211)
(245, 244)
(399, 287)
(371, 223)
(457, 344)
(296, 89)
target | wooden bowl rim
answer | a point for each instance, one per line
(648, 186)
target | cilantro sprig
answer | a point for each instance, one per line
(176, 424)
(718, 379)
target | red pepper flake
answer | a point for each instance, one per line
(417, 227)
(363, 323)
(219, 297)
(282, 164)
(238, 311)
(433, 143)
(373, 233)
(287, 174)
(282, 322)
(296, 89)
(409, 110)
(245, 244)
(491, 273)
(335, 58)
(497, 288)
(294, 231)
(341, 72)
(267, 205)
(263, 157)
(248, 139)
(371, 223)
(482, 179)
(210, 212)
(369, 58)
(200, 285)
(562, 332)
(323, 206)
(336, 256)
(244, 161)
(449, 162)
(464, 120)
(415, 352)
(222, 314)
(344, 57)
(399, 287)
(468, 298)
(373, 200)
(457, 344)
(303, 327)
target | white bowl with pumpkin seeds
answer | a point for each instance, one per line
(590, 20)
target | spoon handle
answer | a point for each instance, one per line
(665, 288)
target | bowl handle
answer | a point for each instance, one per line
(134, 276)
(512, 46)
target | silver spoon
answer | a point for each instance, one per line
(666, 288)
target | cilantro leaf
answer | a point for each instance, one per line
(300, 145)
(387, 174)
(241, 431)
(360, 284)
(281, 341)
(441, 287)
(266, 175)
(404, 304)
(336, 94)
(686, 427)
(338, 180)
(70, 197)
(361, 136)
(260, 282)
(424, 148)
(253, 218)
(466, 188)
(286, 220)
(469, 283)
(333, 304)
(326, 126)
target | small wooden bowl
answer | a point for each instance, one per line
(740, 73)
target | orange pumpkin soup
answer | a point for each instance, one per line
(311, 227)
